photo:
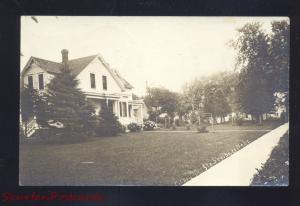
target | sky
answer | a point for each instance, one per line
(162, 51)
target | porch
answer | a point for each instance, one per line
(126, 110)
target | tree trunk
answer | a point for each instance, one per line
(181, 120)
(266, 116)
(260, 119)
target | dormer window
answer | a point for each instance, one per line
(30, 82)
(93, 81)
(104, 82)
(41, 81)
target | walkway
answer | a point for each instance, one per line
(239, 168)
(212, 131)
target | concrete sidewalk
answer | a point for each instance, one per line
(239, 168)
(213, 131)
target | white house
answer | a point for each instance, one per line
(100, 83)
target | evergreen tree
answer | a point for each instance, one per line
(26, 106)
(108, 123)
(40, 109)
(67, 104)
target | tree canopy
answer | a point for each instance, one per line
(161, 100)
(211, 94)
(262, 64)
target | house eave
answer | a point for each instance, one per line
(102, 95)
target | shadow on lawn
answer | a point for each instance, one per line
(61, 139)
(275, 172)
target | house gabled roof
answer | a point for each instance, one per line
(48, 66)
(76, 66)
(124, 82)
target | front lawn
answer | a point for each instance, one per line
(247, 125)
(145, 158)
(275, 171)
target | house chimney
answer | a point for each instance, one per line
(64, 54)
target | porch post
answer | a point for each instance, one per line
(127, 109)
(107, 102)
(116, 108)
(131, 111)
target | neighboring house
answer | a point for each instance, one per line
(100, 83)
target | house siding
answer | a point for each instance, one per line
(97, 68)
(34, 71)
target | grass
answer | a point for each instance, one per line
(145, 158)
(275, 171)
(247, 125)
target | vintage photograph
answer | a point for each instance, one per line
(154, 101)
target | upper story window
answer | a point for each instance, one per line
(93, 80)
(30, 82)
(41, 81)
(104, 82)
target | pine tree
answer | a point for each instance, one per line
(26, 106)
(108, 123)
(67, 104)
(40, 108)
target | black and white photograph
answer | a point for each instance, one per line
(154, 101)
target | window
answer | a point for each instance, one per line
(104, 82)
(93, 80)
(120, 104)
(124, 109)
(30, 82)
(41, 81)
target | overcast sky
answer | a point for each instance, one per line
(165, 51)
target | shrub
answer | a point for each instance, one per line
(149, 125)
(239, 121)
(123, 129)
(108, 123)
(188, 127)
(193, 118)
(178, 122)
(134, 127)
(202, 129)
